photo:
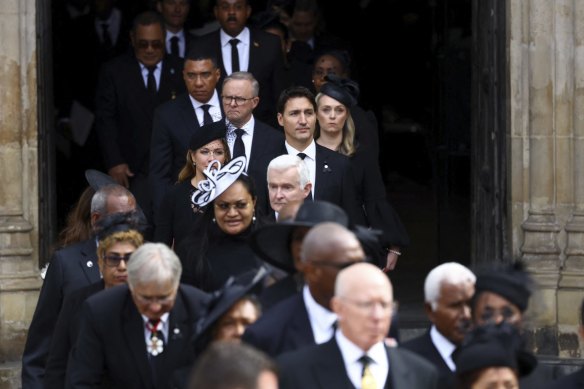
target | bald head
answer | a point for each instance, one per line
(327, 240)
(364, 309)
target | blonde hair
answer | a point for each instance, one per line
(130, 236)
(189, 170)
(347, 146)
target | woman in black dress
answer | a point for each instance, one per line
(217, 247)
(336, 131)
(177, 213)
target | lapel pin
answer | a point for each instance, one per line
(255, 44)
(326, 168)
(176, 331)
(89, 264)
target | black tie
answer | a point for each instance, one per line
(151, 80)
(302, 156)
(207, 119)
(234, 55)
(174, 46)
(238, 147)
(106, 38)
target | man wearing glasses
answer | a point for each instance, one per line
(130, 87)
(306, 318)
(136, 336)
(247, 136)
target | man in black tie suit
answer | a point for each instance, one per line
(136, 336)
(255, 51)
(175, 13)
(248, 136)
(175, 122)
(356, 356)
(130, 87)
(306, 318)
(330, 172)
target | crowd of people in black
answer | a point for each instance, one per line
(243, 201)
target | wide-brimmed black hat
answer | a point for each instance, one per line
(207, 134)
(272, 242)
(493, 345)
(235, 288)
(98, 180)
(343, 90)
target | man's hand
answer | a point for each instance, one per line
(120, 174)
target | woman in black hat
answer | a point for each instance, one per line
(177, 213)
(217, 247)
(336, 131)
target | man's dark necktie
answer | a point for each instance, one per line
(106, 38)
(234, 55)
(367, 379)
(302, 156)
(174, 46)
(238, 146)
(151, 80)
(155, 346)
(207, 119)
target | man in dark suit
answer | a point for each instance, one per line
(130, 88)
(448, 290)
(306, 318)
(175, 13)
(330, 172)
(175, 122)
(136, 336)
(255, 51)
(70, 268)
(356, 356)
(246, 135)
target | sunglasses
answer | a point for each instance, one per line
(114, 260)
(143, 44)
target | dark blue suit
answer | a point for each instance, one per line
(424, 347)
(70, 268)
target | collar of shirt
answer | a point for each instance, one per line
(247, 128)
(113, 25)
(164, 328)
(321, 319)
(243, 37)
(157, 73)
(444, 347)
(351, 354)
(181, 41)
(310, 151)
(214, 110)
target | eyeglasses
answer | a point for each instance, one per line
(240, 205)
(114, 260)
(143, 44)
(162, 300)
(216, 152)
(369, 305)
(238, 100)
(339, 266)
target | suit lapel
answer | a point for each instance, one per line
(330, 370)
(300, 330)
(399, 371)
(177, 331)
(166, 89)
(88, 261)
(134, 335)
(188, 114)
(254, 52)
(320, 174)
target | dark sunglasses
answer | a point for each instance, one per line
(114, 260)
(143, 44)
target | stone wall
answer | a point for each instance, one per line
(19, 280)
(546, 156)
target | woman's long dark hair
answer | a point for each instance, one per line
(204, 232)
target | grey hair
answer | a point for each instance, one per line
(247, 76)
(447, 273)
(288, 161)
(99, 199)
(153, 263)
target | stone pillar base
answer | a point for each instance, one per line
(10, 375)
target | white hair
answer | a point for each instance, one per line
(288, 161)
(153, 263)
(447, 273)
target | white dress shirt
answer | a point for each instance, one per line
(310, 161)
(444, 347)
(321, 319)
(182, 43)
(157, 73)
(214, 109)
(113, 26)
(379, 366)
(242, 49)
(247, 137)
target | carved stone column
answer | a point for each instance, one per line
(19, 280)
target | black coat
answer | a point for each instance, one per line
(111, 344)
(70, 268)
